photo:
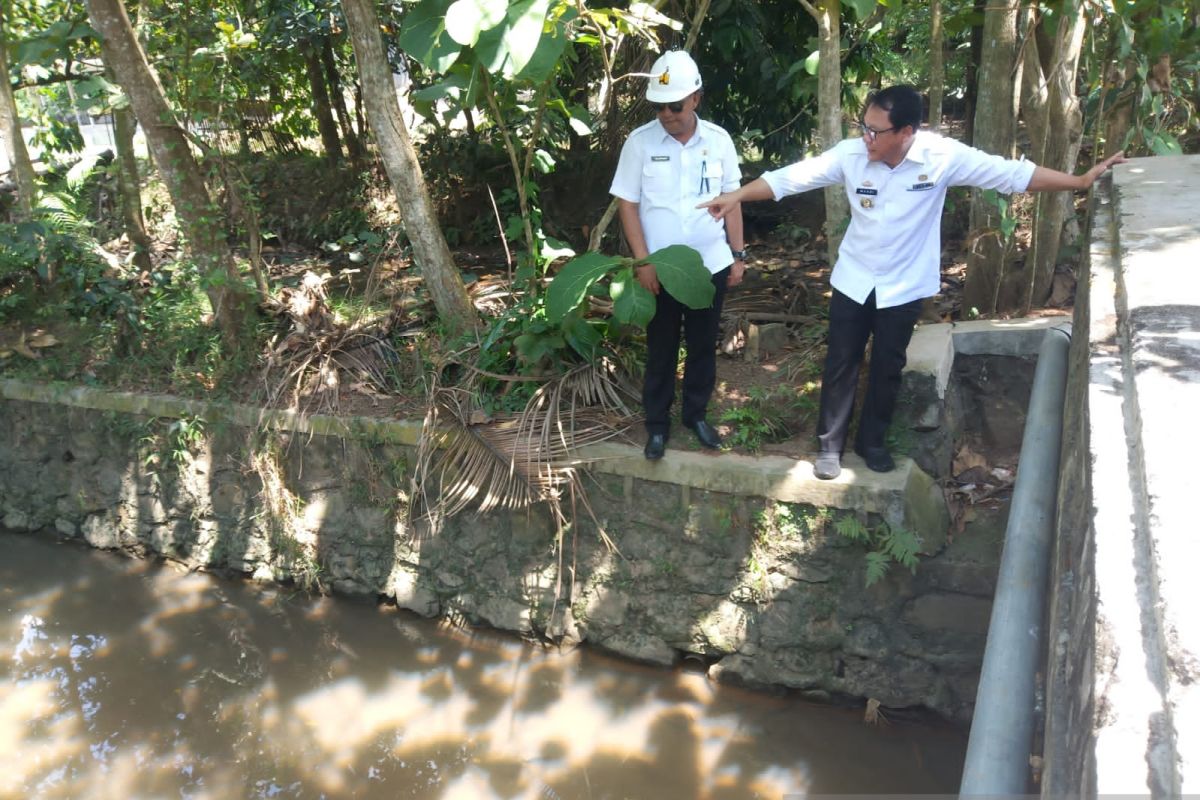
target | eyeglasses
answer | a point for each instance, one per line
(869, 132)
(661, 107)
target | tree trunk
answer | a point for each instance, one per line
(129, 185)
(994, 127)
(937, 67)
(198, 214)
(404, 171)
(352, 139)
(827, 13)
(1121, 93)
(14, 141)
(1055, 124)
(360, 124)
(971, 75)
(321, 108)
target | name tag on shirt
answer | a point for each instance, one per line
(660, 158)
(921, 187)
(871, 192)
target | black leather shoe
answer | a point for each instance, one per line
(827, 466)
(707, 435)
(656, 446)
(878, 458)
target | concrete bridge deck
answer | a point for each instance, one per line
(1123, 690)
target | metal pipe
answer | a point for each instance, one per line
(997, 760)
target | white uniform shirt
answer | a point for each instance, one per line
(667, 179)
(893, 245)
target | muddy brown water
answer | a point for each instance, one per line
(134, 679)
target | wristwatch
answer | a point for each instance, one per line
(739, 255)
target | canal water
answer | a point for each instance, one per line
(122, 678)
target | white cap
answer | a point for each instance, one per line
(673, 77)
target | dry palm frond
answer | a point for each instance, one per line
(318, 349)
(517, 462)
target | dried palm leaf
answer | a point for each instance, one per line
(307, 362)
(516, 462)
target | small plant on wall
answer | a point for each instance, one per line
(886, 545)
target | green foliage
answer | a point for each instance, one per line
(184, 436)
(781, 523)
(51, 261)
(886, 545)
(1003, 206)
(572, 282)
(680, 271)
(1125, 77)
(769, 415)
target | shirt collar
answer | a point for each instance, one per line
(695, 136)
(919, 151)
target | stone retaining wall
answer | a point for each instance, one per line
(762, 592)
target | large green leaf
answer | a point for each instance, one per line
(466, 19)
(683, 274)
(583, 336)
(533, 347)
(1164, 144)
(570, 285)
(509, 48)
(633, 304)
(424, 36)
(454, 87)
(862, 8)
(549, 50)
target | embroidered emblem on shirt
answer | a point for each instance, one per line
(867, 183)
(867, 202)
(921, 187)
(665, 78)
(922, 177)
(660, 158)
(866, 191)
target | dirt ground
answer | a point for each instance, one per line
(771, 350)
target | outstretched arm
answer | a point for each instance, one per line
(722, 204)
(1051, 180)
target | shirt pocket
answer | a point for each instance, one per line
(657, 185)
(710, 177)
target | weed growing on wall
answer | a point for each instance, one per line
(283, 515)
(383, 478)
(777, 529)
(886, 545)
(164, 446)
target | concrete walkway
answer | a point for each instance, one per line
(1124, 674)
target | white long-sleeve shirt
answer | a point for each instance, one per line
(667, 179)
(893, 245)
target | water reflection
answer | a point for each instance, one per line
(123, 678)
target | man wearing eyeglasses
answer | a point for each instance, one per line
(896, 177)
(667, 167)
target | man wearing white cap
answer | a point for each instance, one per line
(667, 166)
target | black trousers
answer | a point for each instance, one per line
(700, 327)
(850, 325)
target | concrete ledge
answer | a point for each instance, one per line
(393, 431)
(933, 347)
(905, 497)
